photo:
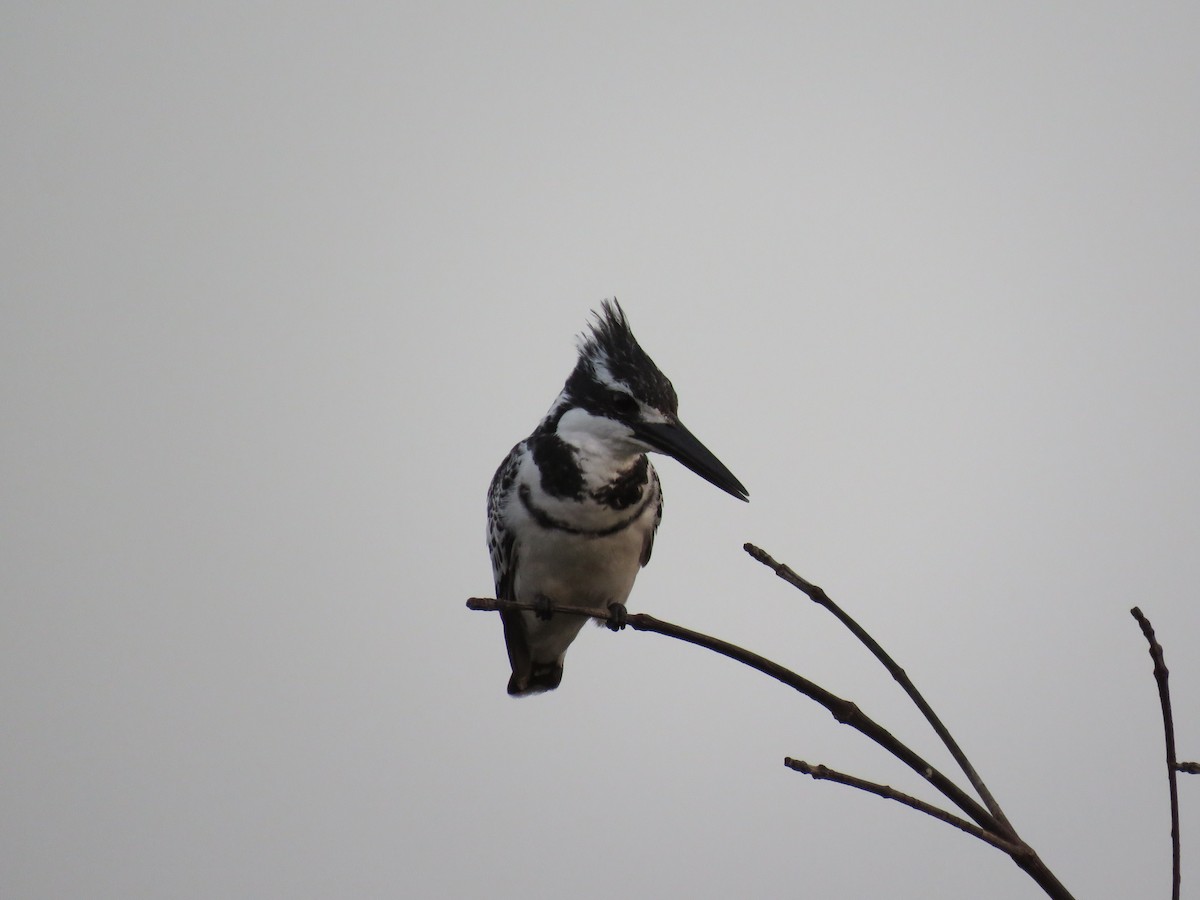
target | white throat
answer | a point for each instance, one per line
(605, 447)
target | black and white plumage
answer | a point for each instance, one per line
(573, 509)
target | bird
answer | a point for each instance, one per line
(573, 509)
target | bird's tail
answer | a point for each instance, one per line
(528, 677)
(535, 679)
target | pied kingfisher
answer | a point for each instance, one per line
(573, 509)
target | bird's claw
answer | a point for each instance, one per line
(541, 607)
(617, 616)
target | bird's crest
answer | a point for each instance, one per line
(611, 354)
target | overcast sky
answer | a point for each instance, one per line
(283, 283)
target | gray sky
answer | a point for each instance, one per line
(281, 286)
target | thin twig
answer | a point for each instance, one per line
(818, 596)
(1164, 697)
(1188, 768)
(490, 604)
(824, 773)
(844, 711)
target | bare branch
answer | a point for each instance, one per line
(1164, 698)
(1188, 768)
(489, 604)
(844, 711)
(818, 596)
(824, 773)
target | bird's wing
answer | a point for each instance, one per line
(503, 551)
(648, 546)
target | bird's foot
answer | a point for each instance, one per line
(541, 607)
(618, 615)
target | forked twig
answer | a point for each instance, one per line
(844, 711)
(818, 596)
(1164, 698)
(848, 713)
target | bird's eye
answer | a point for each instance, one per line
(625, 404)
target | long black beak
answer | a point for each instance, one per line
(676, 441)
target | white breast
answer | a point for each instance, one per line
(577, 569)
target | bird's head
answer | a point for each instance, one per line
(618, 396)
